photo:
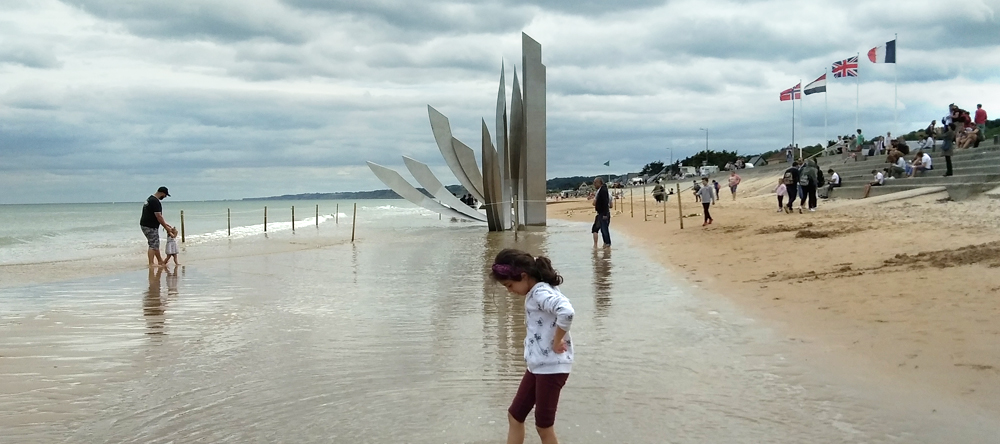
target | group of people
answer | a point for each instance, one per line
(734, 183)
(150, 222)
(803, 179)
(469, 200)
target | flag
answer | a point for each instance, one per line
(607, 164)
(883, 54)
(795, 91)
(817, 86)
(846, 68)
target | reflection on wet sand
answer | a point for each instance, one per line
(290, 349)
(503, 313)
(154, 302)
(602, 281)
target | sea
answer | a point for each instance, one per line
(397, 337)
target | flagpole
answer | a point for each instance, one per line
(895, 103)
(826, 106)
(793, 119)
(857, 98)
(802, 106)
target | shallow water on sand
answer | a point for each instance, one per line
(400, 338)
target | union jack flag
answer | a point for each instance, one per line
(846, 68)
(793, 93)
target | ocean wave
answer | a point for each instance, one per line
(246, 231)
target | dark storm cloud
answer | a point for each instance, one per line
(225, 21)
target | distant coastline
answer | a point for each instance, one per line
(351, 195)
(558, 183)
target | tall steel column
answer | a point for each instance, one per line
(534, 134)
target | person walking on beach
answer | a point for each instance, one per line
(150, 222)
(548, 348)
(602, 222)
(715, 184)
(791, 181)
(171, 248)
(696, 188)
(707, 199)
(734, 181)
(810, 178)
(781, 191)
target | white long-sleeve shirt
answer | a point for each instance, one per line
(546, 308)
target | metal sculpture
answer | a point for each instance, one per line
(394, 181)
(430, 182)
(511, 184)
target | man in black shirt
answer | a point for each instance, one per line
(602, 203)
(150, 222)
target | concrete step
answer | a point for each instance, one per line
(956, 190)
(968, 174)
(969, 165)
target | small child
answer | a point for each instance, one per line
(781, 192)
(548, 348)
(715, 184)
(707, 199)
(171, 249)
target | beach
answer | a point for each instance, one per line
(906, 289)
(401, 337)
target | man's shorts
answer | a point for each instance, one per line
(152, 237)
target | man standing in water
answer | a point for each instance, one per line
(152, 219)
(602, 203)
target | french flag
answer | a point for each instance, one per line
(883, 54)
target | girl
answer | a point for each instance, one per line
(171, 249)
(781, 192)
(548, 349)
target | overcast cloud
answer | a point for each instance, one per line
(105, 100)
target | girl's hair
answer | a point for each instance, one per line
(510, 263)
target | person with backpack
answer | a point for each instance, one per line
(791, 180)
(809, 179)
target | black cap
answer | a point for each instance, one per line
(164, 191)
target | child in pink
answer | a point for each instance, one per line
(781, 192)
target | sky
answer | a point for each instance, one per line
(106, 100)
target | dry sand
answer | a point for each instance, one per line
(907, 288)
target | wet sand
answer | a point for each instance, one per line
(402, 339)
(906, 289)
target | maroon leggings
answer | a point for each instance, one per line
(540, 392)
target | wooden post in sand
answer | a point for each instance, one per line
(354, 223)
(664, 208)
(337, 217)
(265, 218)
(680, 211)
(631, 204)
(182, 226)
(293, 218)
(229, 222)
(317, 215)
(644, 219)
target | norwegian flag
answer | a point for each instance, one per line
(846, 68)
(793, 93)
